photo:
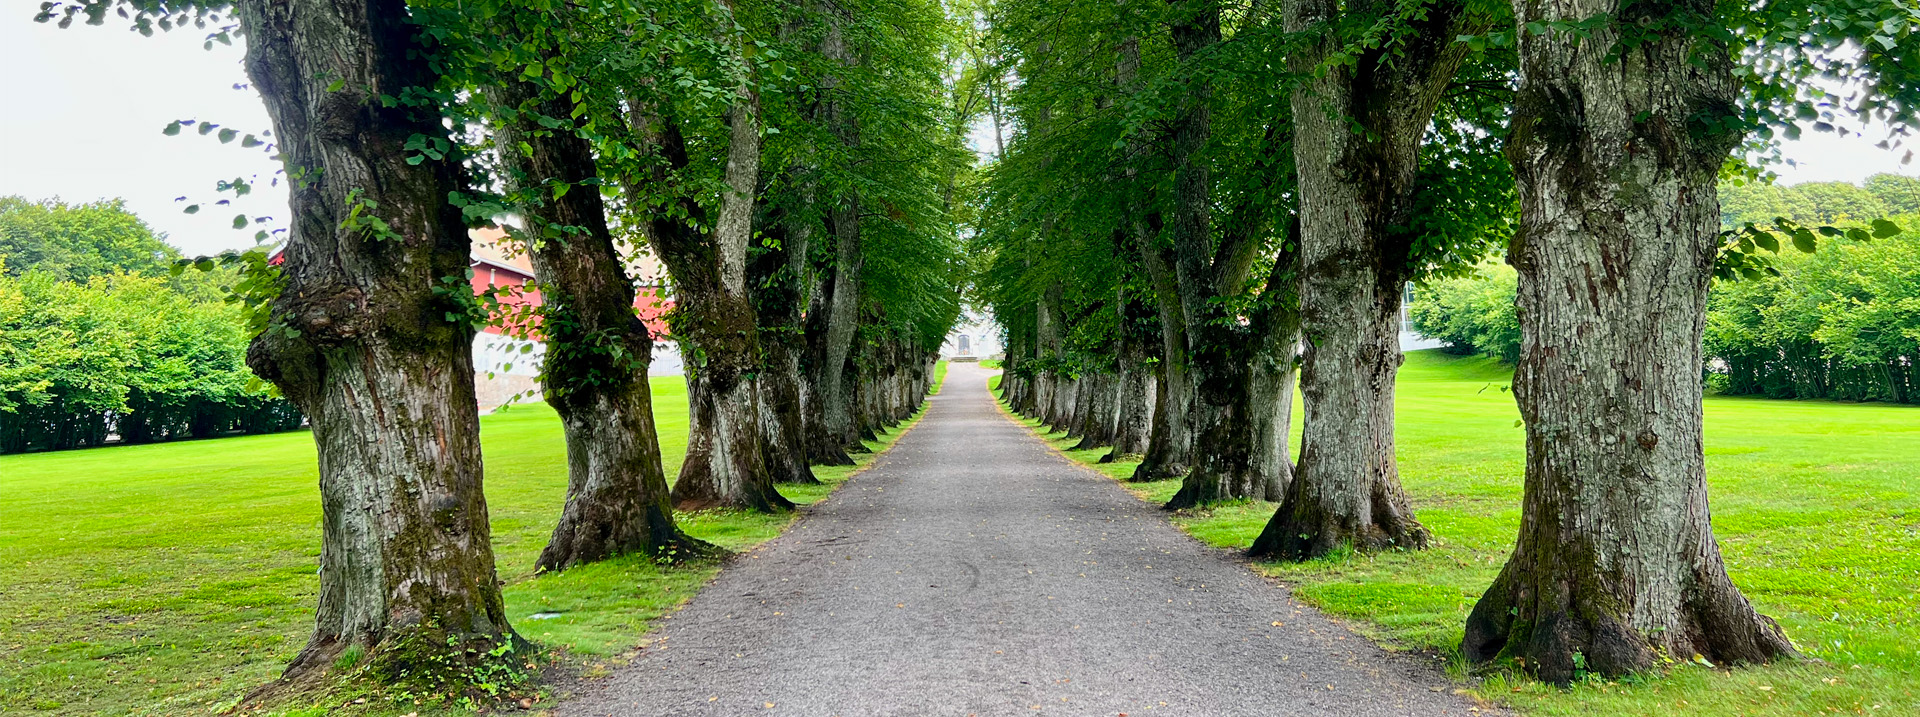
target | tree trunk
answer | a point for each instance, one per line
(1246, 454)
(1097, 426)
(1219, 416)
(1616, 564)
(594, 373)
(1169, 444)
(1357, 194)
(825, 446)
(1074, 417)
(1046, 353)
(1270, 389)
(1134, 421)
(844, 220)
(774, 277)
(782, 430)
(361, 342)
(718, 332)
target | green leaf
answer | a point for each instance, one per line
(239, 221)
(1804, 241)
(173, 128)
(192, 209)
(336, 85)
(227, 135)
(1767, 241)
(1883, 229)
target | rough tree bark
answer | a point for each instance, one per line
(1134, 397)
(825, 445)
(1270, 385)
(1046, 350)
(774, 280)
(1357, 134)
(595, 369)
(1616, 159)
(717, 329)
(362, 343)
(1170, 443)
(1098, 418)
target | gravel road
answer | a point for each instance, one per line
(972, 571)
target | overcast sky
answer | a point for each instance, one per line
(84, 108)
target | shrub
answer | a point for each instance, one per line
(1473, 314)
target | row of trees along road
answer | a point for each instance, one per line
(1188, 193)
(793, 165)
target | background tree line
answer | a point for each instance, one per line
(98, 341)
(1839, 323)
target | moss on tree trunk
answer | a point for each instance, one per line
(1616, 564)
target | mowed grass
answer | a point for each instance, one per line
(172, 578)
(1816, 506)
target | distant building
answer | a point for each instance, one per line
(975, 337)
(505, 367)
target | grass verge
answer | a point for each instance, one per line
(172, 578)
(1814, 504)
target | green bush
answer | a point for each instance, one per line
(1842, 323)
(1473, 314)
(122, 355)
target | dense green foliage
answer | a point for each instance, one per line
(78, 241)
(96, 340)
(1472, 314)
(1819, 202)
(122, 354)
(1841, 323)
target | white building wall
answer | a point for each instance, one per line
(508, 369)
(975, 337)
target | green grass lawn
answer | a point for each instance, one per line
(170, 578)
(1815, 505)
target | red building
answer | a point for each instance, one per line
(506, 367)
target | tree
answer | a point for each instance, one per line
(77, 242)
(1616, 563)
(364, 339)
(714, 318)
(594, 372)
(1899, 194)
(1361, 117)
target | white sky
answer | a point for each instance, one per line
(84, 108)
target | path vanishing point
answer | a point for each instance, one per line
(973, 571)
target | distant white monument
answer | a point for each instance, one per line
(975, 337)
